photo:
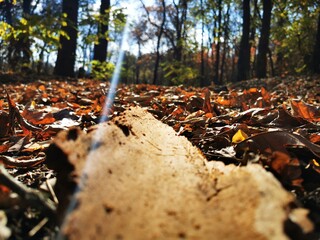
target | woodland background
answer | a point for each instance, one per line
(176, 41)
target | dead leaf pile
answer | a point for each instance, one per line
(274, 122)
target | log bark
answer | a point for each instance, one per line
(138, 180)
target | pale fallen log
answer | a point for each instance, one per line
(142, 181)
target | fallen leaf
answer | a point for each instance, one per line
(239, 136)
(306, 111)
(276, 141)
(207, 108)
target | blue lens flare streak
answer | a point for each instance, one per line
(104, 117)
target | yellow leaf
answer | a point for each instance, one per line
(239, 136)
(23, 21)
(315, 163)
(33, 105)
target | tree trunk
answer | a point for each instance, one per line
(138, 62)
(161, 29)
(264, 40)
(67, 53)
(100, 50)
(252, 40)
(202, 77)
(316, 51)
(279, 64)
(217, 63)
(180, 18)
(225, 43)
(24, 42)
(271, 63)
(244, 51)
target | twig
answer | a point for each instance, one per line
(36, 229)
(53, 194)
(33, 198)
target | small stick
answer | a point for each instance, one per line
(36, 229)
(32, 197)
(53, 194)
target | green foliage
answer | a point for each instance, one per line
(42, 33)
(102, 70)
(177, 73)
(293, 33)
(6, 32)
(89, 22)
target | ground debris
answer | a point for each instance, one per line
(133, 185)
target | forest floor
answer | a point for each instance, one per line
(273, 122)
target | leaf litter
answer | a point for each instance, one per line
(273, 122)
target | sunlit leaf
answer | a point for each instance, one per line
(276, 141)
(306, 111)
(239, 136)
(23, 21)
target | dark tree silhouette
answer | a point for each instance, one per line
(244, 51)
(263, 47)
(225, 42)
(100, 50)
(67, 53)
(316, 51)
(217, 63)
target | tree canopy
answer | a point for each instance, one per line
(172, 41)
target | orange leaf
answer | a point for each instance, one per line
(177, 111)
(287, 167)
(306, 111)
(42, 88)
(38, 117)
(315, 138)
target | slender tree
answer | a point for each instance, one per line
(225, 43)
(280, 34)
(177, 35)
(219, 29)
(24, 42)
(139, 33)
(244, 51)
(100, 50)
(253, 27)
(67, 53)
(160, 33)
(202, 76)
(263, 47)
